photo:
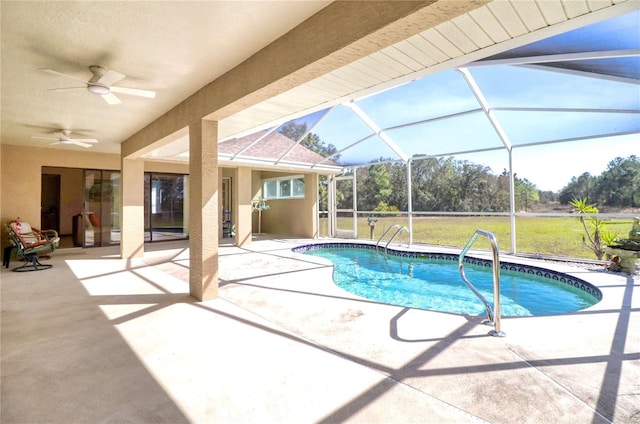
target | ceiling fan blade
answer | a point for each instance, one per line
(41, 137)
(111, 98)
(50, 71)
(134, 92)
(84, 140)
(66, 88)
(110, 77)
(77, 143)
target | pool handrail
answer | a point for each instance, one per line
(399, 228)
(394, 236)
(385, 233)
(494, 316)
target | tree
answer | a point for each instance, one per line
(526, 194)
(619, 184)
(293, 130)
(374, 186)
(311, 141)
(578, 188)
(548, 196)
(398, 180)
(477, 187)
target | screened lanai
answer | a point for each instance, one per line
(539, 113)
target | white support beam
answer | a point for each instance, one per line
(365, 118)
(254, 143)
(298, 141)
(409, 202)
(554, 58)
(475, 89)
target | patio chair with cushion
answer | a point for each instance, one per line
(30, 244)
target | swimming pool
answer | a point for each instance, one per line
(432, 281)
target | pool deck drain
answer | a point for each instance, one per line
(102, 339)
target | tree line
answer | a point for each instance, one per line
(617, 187)
(449, 185)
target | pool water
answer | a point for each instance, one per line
(434, 284)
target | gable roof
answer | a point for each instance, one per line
(271, 148)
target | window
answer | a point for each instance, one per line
(284, 188)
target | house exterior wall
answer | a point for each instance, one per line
(21, 177)
(291, 217)
(21, 170)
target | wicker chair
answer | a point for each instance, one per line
(30, 244)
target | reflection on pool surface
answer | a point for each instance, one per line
(432, 281)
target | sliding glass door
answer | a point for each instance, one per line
(101, 214)
(165, 206)
(165, 216)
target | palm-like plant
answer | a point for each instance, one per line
(596, 236)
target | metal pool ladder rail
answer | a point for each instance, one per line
(399, 229)
(492, 315)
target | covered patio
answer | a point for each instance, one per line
(205, 330)
(104, 339)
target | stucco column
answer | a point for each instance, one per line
(243, 212)
(203, 209)
(132, 212)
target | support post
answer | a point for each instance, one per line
(132, 209)
(203, 208)
(243, 212)
(409, 203)
(512, 203)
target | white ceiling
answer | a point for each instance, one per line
(173, 48)
(176, 48)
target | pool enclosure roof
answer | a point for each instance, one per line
(577, 85)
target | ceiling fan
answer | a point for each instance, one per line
(65, 138)
(101, 83)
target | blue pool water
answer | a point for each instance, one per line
(433, 282)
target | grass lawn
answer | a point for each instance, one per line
(547, 236)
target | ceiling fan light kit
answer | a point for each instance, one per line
(98, 89)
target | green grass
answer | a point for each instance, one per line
(546, 236)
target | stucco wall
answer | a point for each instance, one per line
(21, 170)
(290, 217)
(22, 173)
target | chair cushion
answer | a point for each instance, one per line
(94, 220)
(22, 227)
(29, 238)
(25, 232)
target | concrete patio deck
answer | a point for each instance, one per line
(99, 339)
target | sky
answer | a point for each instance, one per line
(549, 166)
